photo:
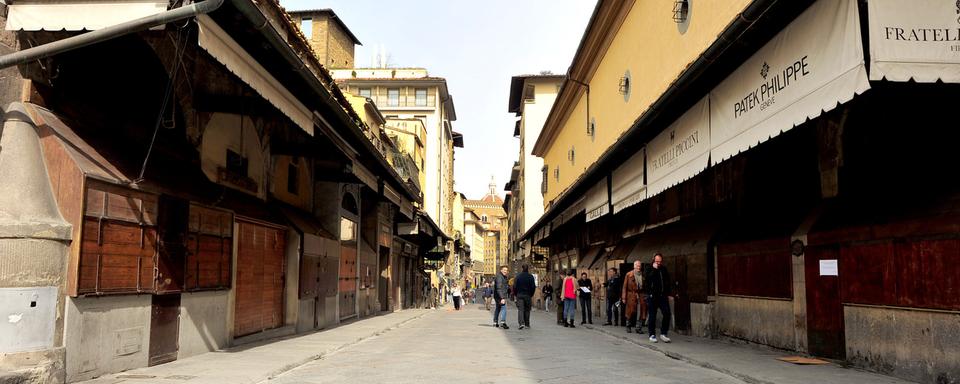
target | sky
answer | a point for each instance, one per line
(477, 46)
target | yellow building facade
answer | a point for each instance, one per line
(634, 40)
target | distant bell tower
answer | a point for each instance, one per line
(493, 186)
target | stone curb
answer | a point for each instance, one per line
(642, 342)
(289, 367)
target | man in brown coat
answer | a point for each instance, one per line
(633, 298)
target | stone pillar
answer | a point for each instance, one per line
(34, 241)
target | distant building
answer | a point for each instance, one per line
(329, 37)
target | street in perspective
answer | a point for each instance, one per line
(669, 191)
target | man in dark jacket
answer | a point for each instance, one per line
(613, 286)
(525, 287)
(585, 292)
(558, 298)
(657, 284)
(500, 297)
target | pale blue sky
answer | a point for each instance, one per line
(477, 46)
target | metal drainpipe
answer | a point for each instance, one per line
(100, 35)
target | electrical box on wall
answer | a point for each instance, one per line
(27, 318)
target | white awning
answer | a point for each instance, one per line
(627, 182)
(597, 202)
(809, 67)
(681, 151)
(36, 15)
(222, 47)
(914, 39)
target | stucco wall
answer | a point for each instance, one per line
(915, 345)
(655, 50)
(106, 334)
(203, 322)
(763, 321)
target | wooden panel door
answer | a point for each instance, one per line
(348, 280)
(164, 329)
(259, 286)
(825, 334)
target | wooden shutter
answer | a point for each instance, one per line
(118, 241)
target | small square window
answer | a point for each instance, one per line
(236, 164)
(306, 26)
(365, 92)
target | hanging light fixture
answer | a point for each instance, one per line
(680, 10)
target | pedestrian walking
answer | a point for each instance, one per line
(547, 292)
(614, 286)
(658, 284)
(632, 297)
(525, 287)
(457, 296)
(569, 299)
(500, 297)
(487, 295)
(586, 299)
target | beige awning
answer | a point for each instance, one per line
(571, 212)
(681, 151)
(79, 15)
(810, 67)
(597, 201)
(365, 176)
(222, 47)
(391, 194)
(914, 40)
(406, 208)
(627, 182)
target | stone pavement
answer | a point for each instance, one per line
(446, 346)
(256, 362)
(463, 347)
(750, 363)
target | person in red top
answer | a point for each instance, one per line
(569, 299)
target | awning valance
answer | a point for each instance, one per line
(391, 194)
(681, 151)
(809, 67)
(574, 210)
(627, 182)
(406, 208)
(914, 40)
(228, 52)
(597, 201)
(90, 15)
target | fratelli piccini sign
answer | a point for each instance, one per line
(914, 39)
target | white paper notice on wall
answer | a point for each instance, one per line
(829, 268)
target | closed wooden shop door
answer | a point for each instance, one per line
(825, 332)
(164, 328)
(259, 286)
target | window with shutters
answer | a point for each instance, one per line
(209, 249)
(421, 97)
(119, 245)
(393, 97)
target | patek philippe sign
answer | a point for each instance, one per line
(681, 151)
(809, 67)
(914, 39)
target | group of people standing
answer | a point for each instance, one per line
(631, 300)
(639, 296)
